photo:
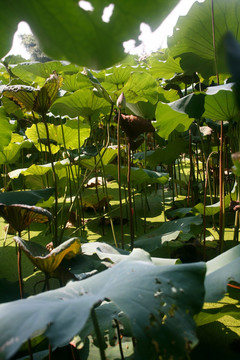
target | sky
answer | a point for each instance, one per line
(151, 41)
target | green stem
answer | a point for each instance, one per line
(56, 243)
(119, 178)
(130, 197)
(214, 42)
(221, 193)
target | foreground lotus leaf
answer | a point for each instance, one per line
(49, 261)
(20, 216)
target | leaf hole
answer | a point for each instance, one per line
(85, 5)
(107, 13)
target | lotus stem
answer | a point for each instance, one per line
(56, 242)
(221, 193)
(204, 204)
(98, 333)
(119, 178)
(130, 196)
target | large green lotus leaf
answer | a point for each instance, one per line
(82, 103)
(38, 72)
(113, 255)
(141, 86)
(108, 155)
(220, 103)
(49, 261)
(31, 197)
(158, 302)
(75, 133)
(70, 130)
(35, 174)
(20, 216)
(168, 154)
(168, 231)
(139, 176)
(178, 114)
(192, 38)
(168, 120)
(75, 82)
(145, 110)
(164, 69)
(220, 271)
(116, 258)
(233, 58)
(67, 32)
(118, 75)
(213, 209)
(12, 152)
(5, 129)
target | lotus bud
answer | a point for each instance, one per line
(121, 101)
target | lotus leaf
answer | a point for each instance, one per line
(47, 261)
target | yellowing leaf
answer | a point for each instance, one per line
(49, 261)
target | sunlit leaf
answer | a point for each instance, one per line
(49, 261)
(5, 129)
(81, 103)
(220, 103)
(71, 134)
(141, 86)
(38, 72)
(220, 271)
(192, 38)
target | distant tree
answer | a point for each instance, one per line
(31, 45)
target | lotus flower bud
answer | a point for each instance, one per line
(121, 101)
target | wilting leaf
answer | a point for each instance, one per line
(32, 99)
(20, 216)
(158, 302)
(95, 201)
(49, 261)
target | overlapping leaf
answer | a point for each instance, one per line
(160, 307)
(192, 39)
(67, 32)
